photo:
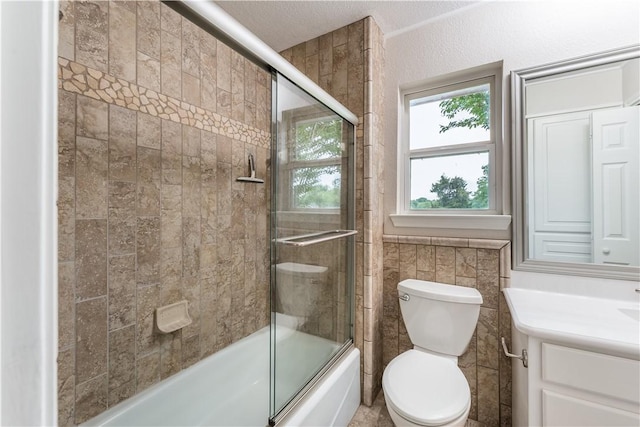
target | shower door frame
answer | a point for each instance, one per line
(280, 414)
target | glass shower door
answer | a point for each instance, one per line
(312, 241)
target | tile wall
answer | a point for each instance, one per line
(348, 63)
(481, 264)
(156, 120)
(379, 331)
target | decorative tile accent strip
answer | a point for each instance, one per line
(77, 78)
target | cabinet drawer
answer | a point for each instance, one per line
(610, 376)
(564, 411)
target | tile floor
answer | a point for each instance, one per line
(378, 416)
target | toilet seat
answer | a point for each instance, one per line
(426, 389)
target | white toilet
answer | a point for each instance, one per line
(424, 386)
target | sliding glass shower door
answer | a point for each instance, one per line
(312, 241)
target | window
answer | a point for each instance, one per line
(450, 147)
(314, 161)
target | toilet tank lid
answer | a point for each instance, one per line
(294, 267)
(440, 291)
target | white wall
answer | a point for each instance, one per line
(521, 33)
(28, 286)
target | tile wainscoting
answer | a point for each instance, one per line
(481, 264)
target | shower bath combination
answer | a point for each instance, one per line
(290, 181)
(307, 350)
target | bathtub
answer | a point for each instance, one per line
(231, 387)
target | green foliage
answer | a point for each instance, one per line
(480, 198)
(318, 139)
(314, 140)
(424, 203)
(319, 196)
(452, 192)
(476, 104)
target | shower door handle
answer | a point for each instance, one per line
(313, 238)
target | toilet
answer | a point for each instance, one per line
(424, 386)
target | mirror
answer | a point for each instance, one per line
(576, 161)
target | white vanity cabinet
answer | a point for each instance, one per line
(583, 360)
(568, 386)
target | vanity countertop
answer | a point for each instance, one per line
(607, 325)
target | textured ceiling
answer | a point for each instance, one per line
(282, 24)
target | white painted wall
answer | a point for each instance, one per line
(28, 188)
(522, 34)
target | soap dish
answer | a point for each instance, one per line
(172, 317)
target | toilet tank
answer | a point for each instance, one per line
(299, 287)
(439, 317)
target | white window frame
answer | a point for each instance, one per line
(488, 219)
(292, 163)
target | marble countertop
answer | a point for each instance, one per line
(607, 325)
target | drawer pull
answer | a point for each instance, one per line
(524, 357)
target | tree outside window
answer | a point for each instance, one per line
(460, 119)
(316, 155)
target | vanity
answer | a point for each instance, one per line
(574, 296)
(583, 357)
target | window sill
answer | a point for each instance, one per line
(460, 222)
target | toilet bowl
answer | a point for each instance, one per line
(422, 389)
(424, 386)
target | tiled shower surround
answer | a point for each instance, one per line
(156, 120)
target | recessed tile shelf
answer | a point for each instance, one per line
(172, 317)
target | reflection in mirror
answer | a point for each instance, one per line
(576, 163)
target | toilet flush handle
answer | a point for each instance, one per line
(404, 297)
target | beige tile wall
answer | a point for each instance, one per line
(379, 331)
(156, 119)
(481, 264)
(348, 64)
(229, 105)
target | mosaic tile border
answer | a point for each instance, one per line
(77, 78)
